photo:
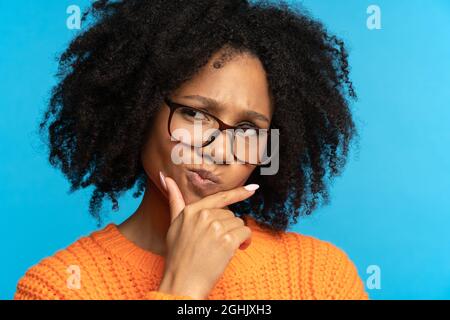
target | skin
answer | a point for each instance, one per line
(178, 222)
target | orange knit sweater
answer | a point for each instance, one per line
(106, 265)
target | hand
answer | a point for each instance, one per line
(201, 240)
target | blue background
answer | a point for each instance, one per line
(389, 208)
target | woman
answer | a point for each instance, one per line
(209, 229)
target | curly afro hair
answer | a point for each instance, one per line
(114, 75)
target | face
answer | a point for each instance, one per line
(241, 94)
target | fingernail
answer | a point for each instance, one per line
(252, 187)
(163, 182)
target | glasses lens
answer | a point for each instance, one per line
(251, 145)
(195, 128)
(192, 126)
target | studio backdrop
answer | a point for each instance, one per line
(389, 209)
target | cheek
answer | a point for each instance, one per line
(157, 149)
(237, 174)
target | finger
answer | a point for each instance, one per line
(244, 245)
(231, 223)
(224, 198)
(243, 234)
(220, 214)
(176, 200)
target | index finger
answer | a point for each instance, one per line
(224, 198)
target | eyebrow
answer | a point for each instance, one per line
(215, 105)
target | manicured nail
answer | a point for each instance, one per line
(252, 187)
(163, 182)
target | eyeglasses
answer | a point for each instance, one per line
(198, 128)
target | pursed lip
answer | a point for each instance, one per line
(206, 174)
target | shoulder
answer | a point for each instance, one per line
(329, 267)
(317, 268)
(56, 276)
(322, 249)
(310, 248)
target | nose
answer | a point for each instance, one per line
(219, 151)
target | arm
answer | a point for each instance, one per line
(344, 281)
(49, 281)
(42, 283)
(328, 271)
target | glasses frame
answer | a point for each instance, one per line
(222, 125)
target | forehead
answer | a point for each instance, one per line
(240, 83)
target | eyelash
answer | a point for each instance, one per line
(253, 125)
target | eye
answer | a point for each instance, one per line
(248, 126)
(194, 114)
(248, 130)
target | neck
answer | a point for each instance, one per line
(147, 226)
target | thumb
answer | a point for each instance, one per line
(176, 200)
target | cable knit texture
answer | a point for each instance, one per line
(107, 265)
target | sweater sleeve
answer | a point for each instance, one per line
(326, 271)
(40, 284)
(43, 283)
(344, 280)
(48, 280)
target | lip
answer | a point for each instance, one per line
(200, 183)
(205, 175)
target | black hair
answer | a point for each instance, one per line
(114, 74)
